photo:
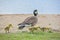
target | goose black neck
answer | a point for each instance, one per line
(35, 13)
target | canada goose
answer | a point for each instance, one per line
(30, 21)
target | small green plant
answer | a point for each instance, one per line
(50, 31)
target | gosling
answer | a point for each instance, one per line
(7, 28)
(33, 29)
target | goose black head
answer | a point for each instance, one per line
(35, 12)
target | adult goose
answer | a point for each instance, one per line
(30, 21)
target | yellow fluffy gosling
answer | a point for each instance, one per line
(7, 28)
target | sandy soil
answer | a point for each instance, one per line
(49, 20)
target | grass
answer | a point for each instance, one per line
(30, 36)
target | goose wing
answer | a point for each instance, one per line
(30, 20)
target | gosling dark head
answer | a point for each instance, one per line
(35, 12)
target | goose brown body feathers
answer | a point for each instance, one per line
(29, 20)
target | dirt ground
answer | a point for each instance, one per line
(44, 20)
